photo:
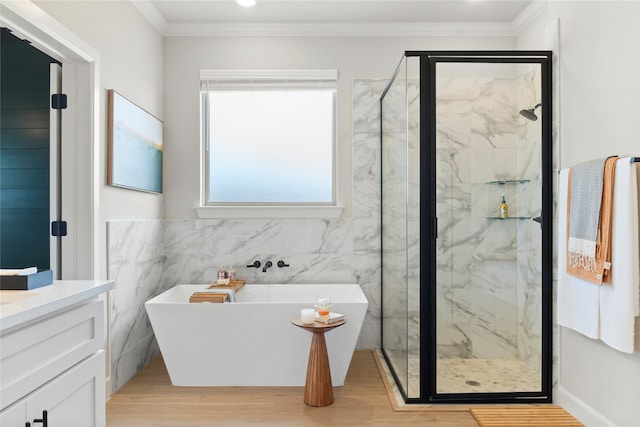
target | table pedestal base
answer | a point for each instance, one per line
(318, 389)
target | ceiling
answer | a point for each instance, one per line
(201, 16)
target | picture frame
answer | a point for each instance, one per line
(135, 143)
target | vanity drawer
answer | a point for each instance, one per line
(35, 354)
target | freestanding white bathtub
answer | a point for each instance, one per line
(251, 342)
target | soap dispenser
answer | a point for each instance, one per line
(504, 209)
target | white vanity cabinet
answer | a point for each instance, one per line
(74, 398)
(52, 362)
(15, 415)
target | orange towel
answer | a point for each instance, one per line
(603, 243)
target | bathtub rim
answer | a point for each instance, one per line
(186, 289)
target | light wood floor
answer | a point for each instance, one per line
(149, 399)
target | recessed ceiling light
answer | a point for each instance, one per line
(246, 3)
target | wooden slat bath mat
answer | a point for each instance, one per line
(529, 416)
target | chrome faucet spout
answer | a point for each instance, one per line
(266, 266)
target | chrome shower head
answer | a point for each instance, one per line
(530, 114)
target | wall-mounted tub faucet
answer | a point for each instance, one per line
(256, 264)
(266, 266)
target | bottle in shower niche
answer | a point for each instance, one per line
(504, 209)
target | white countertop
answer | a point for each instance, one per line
(19, 307)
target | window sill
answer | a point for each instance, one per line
(269, 211)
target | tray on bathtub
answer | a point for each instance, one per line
(234, 285)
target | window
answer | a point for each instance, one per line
(268, 138)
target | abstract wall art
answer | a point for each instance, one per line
(134, 146)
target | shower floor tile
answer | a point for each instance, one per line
(485, 376)
(457, 375)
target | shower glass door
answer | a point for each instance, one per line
(394, 226)
(400, 168)
(488, 249)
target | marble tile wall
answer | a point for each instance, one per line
(147, 257)
(317, 250)
(489, 294)
(136, 261)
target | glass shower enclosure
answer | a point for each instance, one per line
(466, 226)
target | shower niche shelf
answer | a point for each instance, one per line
(509, 181)
(508, 218)
(515, 181)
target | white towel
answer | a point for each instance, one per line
(620, 299)
(577, 299)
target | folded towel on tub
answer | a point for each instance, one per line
(589, 211)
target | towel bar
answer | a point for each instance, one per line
(632, 159)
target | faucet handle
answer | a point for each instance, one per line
(267, 265)
(256, 264)
(281, 264)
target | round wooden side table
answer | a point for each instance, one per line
(318, 389)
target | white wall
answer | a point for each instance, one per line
(599, 75)
(131, 56)
(353, 57)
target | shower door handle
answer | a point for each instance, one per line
(435, 227)
(538, 219)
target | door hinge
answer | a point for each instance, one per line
(59, 101)
(58, 228)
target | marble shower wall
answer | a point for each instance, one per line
(147, 257)
(489, 292)
(488, 286)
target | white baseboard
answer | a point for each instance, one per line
(107, 384)
(579, 409)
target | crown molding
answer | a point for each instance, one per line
(528, 15)
(359, 29)
(152, 14)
